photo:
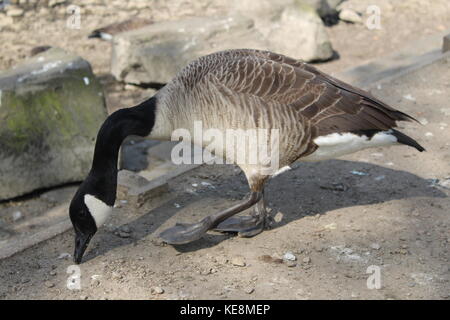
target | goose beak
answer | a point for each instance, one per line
(81, 243)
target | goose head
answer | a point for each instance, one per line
(87, 213)
(93, 202)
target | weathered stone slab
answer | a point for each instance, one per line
(51, 108)
(127, 180)
(154, 54)
(416, 55)
(446, 43)
(137, 190)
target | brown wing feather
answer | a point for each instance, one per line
(328, 104)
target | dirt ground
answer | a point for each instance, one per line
(387, 208)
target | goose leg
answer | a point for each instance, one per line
(248, 226)
(184, 233)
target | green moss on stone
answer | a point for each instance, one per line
(66, 107)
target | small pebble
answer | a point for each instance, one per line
(291, 264)
(330, 226)
(409, 97)
(157, 290)
(122, 234)
(375, 246)
(349, 15)
(49, 284)
(238, 261)
(64, 255)
(289, 256)
(358, 173)
(307, 260)
(17, 215)
(249, 290)
(125, 229)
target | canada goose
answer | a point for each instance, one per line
(318, 117)
(107, 33)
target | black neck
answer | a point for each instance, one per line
(139, 121)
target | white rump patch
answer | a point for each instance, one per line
(99, 210)
(338, 144)
(106, 36)
(281, 170)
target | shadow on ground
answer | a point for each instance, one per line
(307, 190)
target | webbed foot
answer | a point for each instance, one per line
(182, 233)
(245, 226)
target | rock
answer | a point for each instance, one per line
(125, 229)
(331, 226)
(54, 3)
(289, 256)
(446, 44)
(126, 180)
(17, 215)
(349, 15)
(375, 246)
(249, 290)
(49, 284)
(259, 10)
(306, 260)
(124, 232)
(49, 118)
(14, 12)
(238, 261)
(326, 9)
(291, 264)
(64, 255)
(154, 54)
(157, 290)
(310, 43)
(137, 189)
(277, 21)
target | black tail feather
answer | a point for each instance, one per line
(404, 139)
(95, 34)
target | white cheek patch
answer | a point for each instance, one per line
(99, 210)
(337, 144)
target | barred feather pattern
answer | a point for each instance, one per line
(247, 89)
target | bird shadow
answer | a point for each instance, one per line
(309, 189)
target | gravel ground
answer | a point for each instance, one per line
(382, 208)
(386, 208)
